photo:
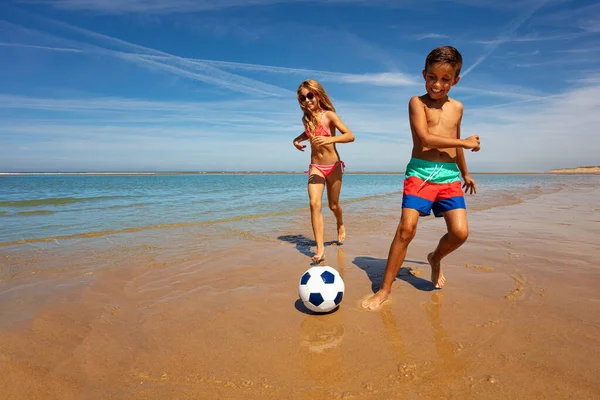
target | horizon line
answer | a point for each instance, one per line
(241, 172)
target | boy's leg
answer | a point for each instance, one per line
(404, 234)
(316, 185)
(458, 231)
(334, 187)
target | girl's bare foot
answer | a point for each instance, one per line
(437, 277)
(341, 233)
(376, 300)
(318, 257)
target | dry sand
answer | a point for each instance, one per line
(215, 314)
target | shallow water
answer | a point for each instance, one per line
(47, 207)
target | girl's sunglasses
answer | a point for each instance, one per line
(308, 96)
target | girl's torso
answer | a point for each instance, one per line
(326, 154)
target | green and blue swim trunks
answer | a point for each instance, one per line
(430, 185)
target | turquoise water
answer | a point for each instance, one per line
(46, 206)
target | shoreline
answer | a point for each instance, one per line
(353, 205)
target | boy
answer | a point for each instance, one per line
(432, 176)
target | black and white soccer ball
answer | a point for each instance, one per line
(321, 289)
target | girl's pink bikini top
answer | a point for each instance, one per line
(321, 129)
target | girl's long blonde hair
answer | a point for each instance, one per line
(311, 119)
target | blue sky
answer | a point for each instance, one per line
(203, 85)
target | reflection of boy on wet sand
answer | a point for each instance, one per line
(432, 177)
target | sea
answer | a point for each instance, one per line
(38, 208)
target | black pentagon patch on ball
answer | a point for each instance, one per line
(316, 299)
(305, 278)
(338, 298)
(328, 277)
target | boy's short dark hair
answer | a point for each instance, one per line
(445, 55)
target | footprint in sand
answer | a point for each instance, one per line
(488, 324)
(479, 267)
(520, 287)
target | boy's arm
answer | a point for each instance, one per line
(461, 162)
(418, 120)
(469, 183)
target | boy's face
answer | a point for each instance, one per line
(439, 78)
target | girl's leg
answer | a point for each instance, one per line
(334, 187)
(458, 231)
(316, 185)
(407, 228)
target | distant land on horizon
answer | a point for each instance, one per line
(577, 170)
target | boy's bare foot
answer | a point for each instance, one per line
(437, 277)
(341, 233)
(376, 300)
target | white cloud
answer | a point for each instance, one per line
(511, 30)
(380, 79)
(179, 6)
(532, 134)
(32, 46)
(430, 36)
(586, 18)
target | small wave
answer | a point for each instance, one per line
(94, 234)
(39, 212)
(373, 196)
(52, 201)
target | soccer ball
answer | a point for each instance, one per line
(321, 289)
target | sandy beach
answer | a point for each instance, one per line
(214, 314)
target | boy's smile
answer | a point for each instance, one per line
(439, 78)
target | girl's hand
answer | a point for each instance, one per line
(299, 146)
(321, 140)
(469, 184)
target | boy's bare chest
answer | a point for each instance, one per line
(440, 120)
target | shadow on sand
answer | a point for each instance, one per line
(303, 244)
(374, 268)
(299, 305)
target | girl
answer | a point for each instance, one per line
(320, 124)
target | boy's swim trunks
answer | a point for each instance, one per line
(433, 186)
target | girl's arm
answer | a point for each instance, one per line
(300, 138)
(346, 134)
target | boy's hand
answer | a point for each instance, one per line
(299, 146)
(469, 184)
(472, 143)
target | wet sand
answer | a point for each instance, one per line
(214, 313)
